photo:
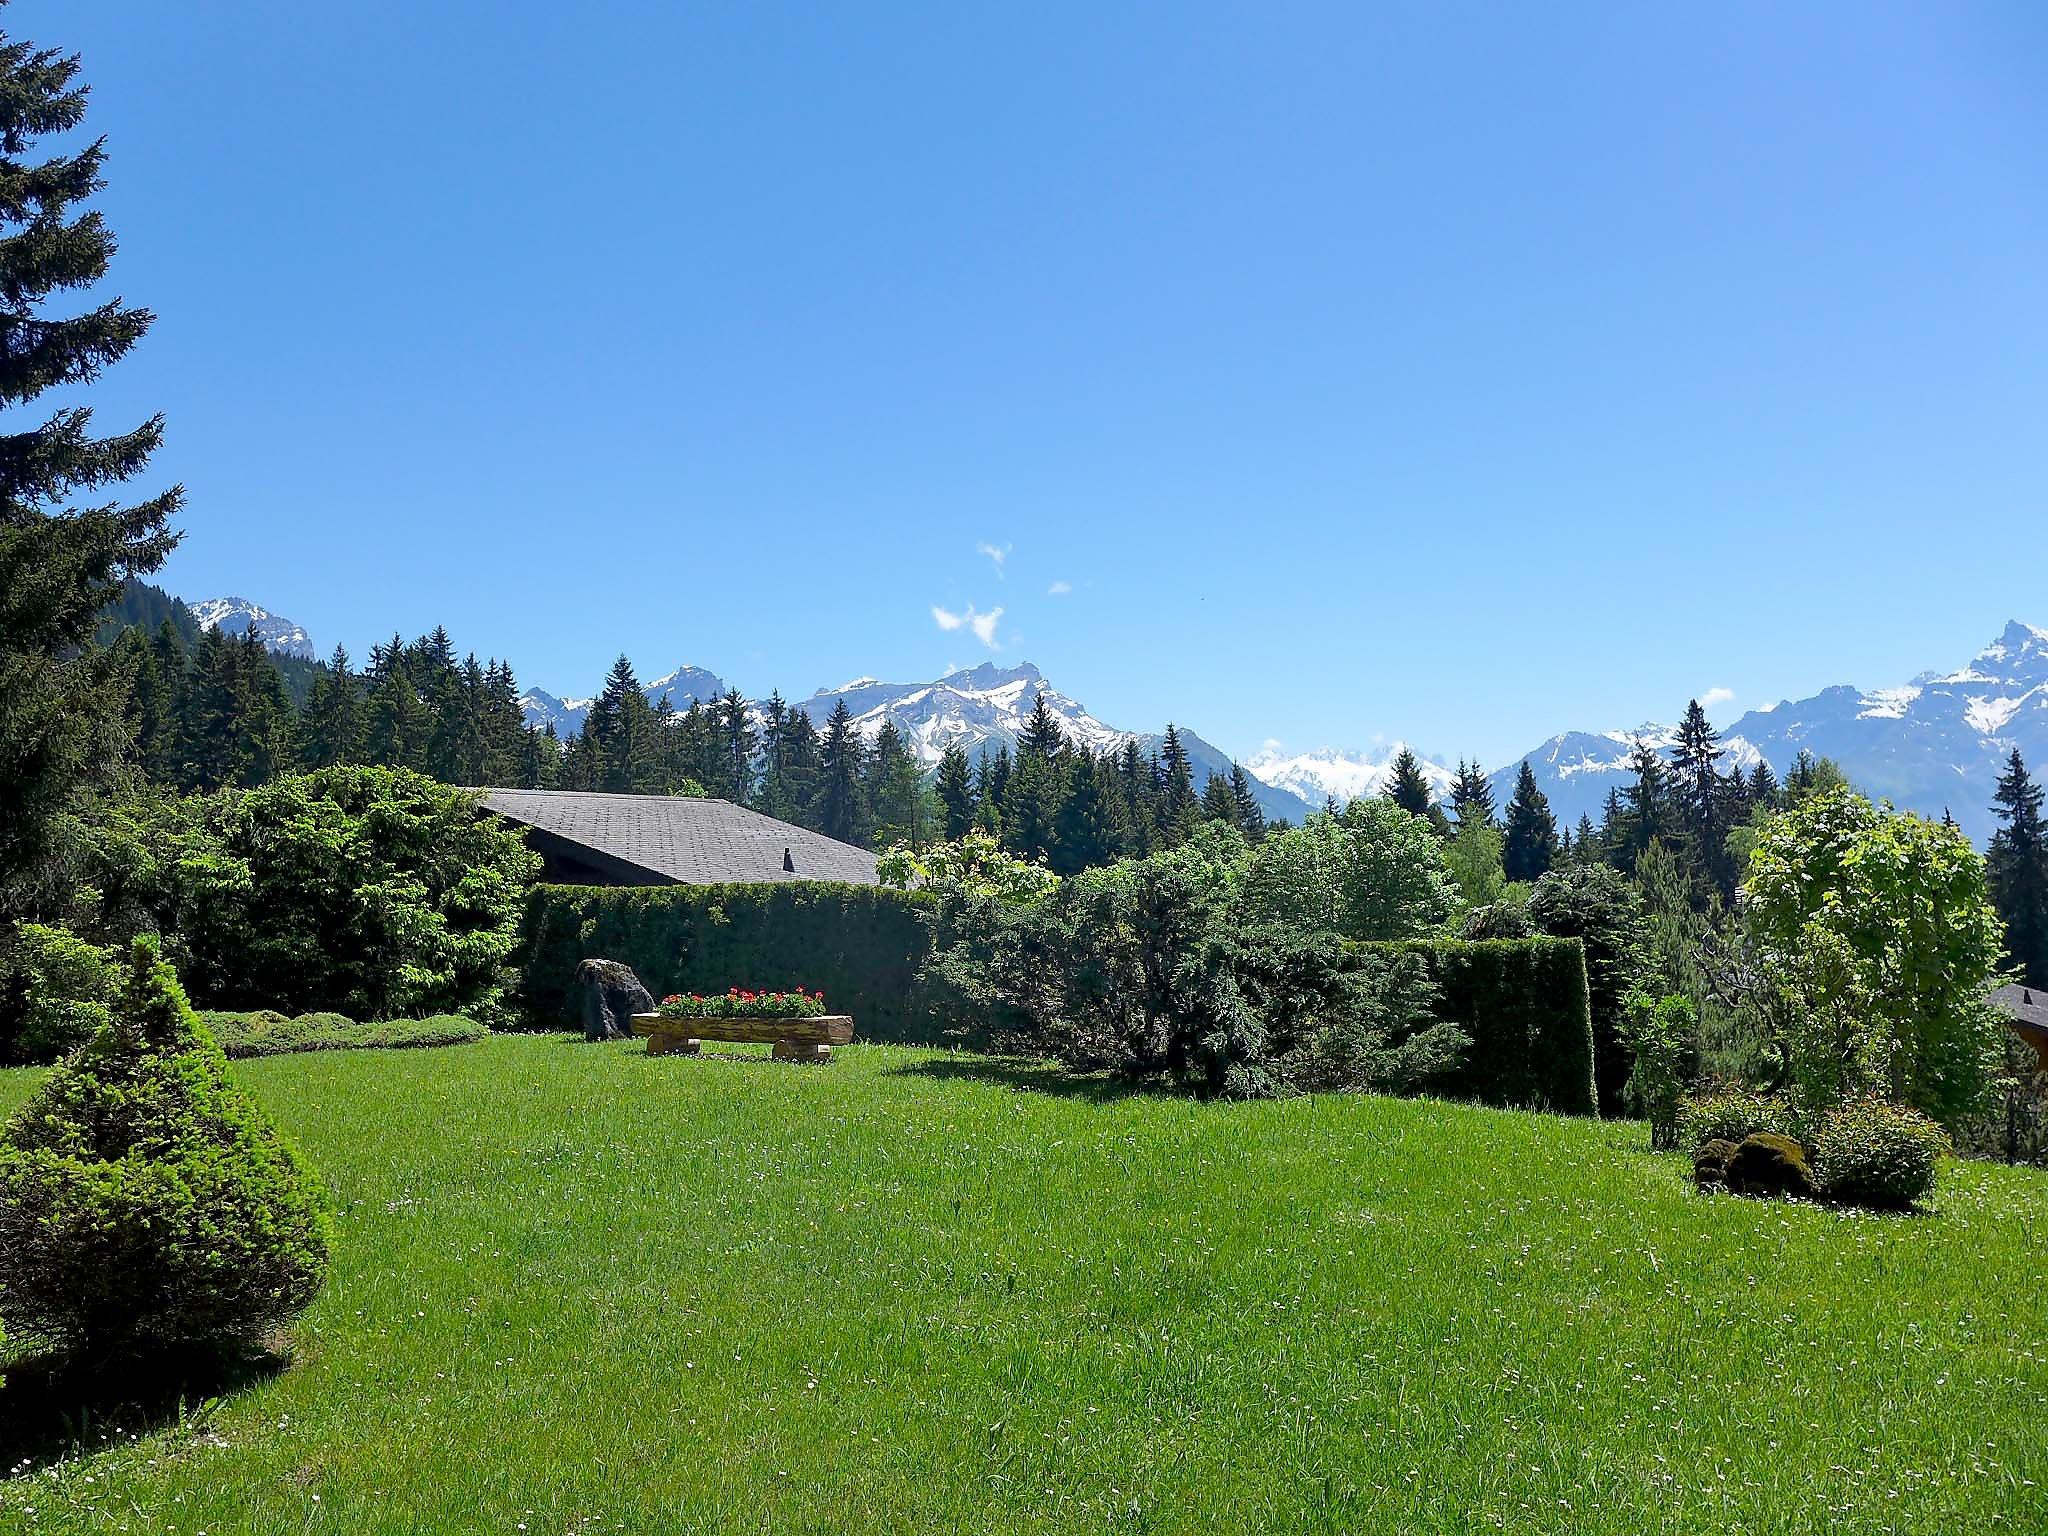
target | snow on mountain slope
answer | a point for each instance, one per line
(239, 616)
(683, 686)
(1933, 745)
(1315, 778)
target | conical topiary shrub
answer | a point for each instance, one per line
(145, 1203)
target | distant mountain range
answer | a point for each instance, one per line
(239, 616)
(1933, 745)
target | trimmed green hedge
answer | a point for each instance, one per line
(267, 1032)
(1524, 1003)
(859, 944)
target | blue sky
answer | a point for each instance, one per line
(1320, 372)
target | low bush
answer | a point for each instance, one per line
(1870, 1153)
(145, 1203)
(1732, 1114)
(267, 1032)
(1663, 1039)
(54, 991)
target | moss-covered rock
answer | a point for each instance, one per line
(1769, 1163)
(1710, 1162)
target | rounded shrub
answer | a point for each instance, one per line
(1871, 1153)
(1732, 1114)
(145, 1203)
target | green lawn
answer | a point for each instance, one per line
(581, 1290)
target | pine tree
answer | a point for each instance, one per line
(540, 758)
(1042, 736)
(1471, 794)
(1251, 817)
(893, 789)
(1764, 793)
(1530, 846)
(621, 727)
(1085, 824)
(1218, 803)
(395, 721)
(334, 725)
(2018, 870)
(1137, 816)
(1586, 846)
(1702, 802)
(1649, 815)
(61, 726)
(738, 744)
(840, 811)
(956, 794)
(1408, 787)
(1179, 808)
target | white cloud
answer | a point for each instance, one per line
(1059, 589)
(983, 624)
(997, 554)
(1717, 696)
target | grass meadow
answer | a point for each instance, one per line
(579, 1290)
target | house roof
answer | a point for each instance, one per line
(2025, 1005)
(693, 841)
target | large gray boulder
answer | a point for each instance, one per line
(612, 994)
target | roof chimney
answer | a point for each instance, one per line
(788, 864)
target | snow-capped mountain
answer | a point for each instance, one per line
(985, 708)
(1933, 745)
(238, 616)
(1577, 768)
(684, 686)
(982, 708)
(1316, 778)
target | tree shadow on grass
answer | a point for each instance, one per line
(1029, 1076)
(54, 1406)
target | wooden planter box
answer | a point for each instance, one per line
(793, 1039)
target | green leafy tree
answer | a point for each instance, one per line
(1875, 942)
(1373, 871)
(61, 726)
(1473, 856)
(1531, 845)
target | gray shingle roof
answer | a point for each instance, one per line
(2029, 1005)
(693, 841)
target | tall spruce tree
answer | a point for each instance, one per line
(2017, 867)
(1042, 735)
(1179, 807)
(1251, 816)
(621, 727)
(1084, 830)
(1703, 802)
(61, 725)
(841, 810)
(333, 723)
(1530, 846)
(1471, 794)
(1647, 814)
(894, 790)
(956, 793)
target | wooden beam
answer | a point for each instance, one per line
(828, 1029)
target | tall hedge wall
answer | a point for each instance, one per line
(859, 944)
(1524, 1003)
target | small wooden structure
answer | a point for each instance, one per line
(794, 1039)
